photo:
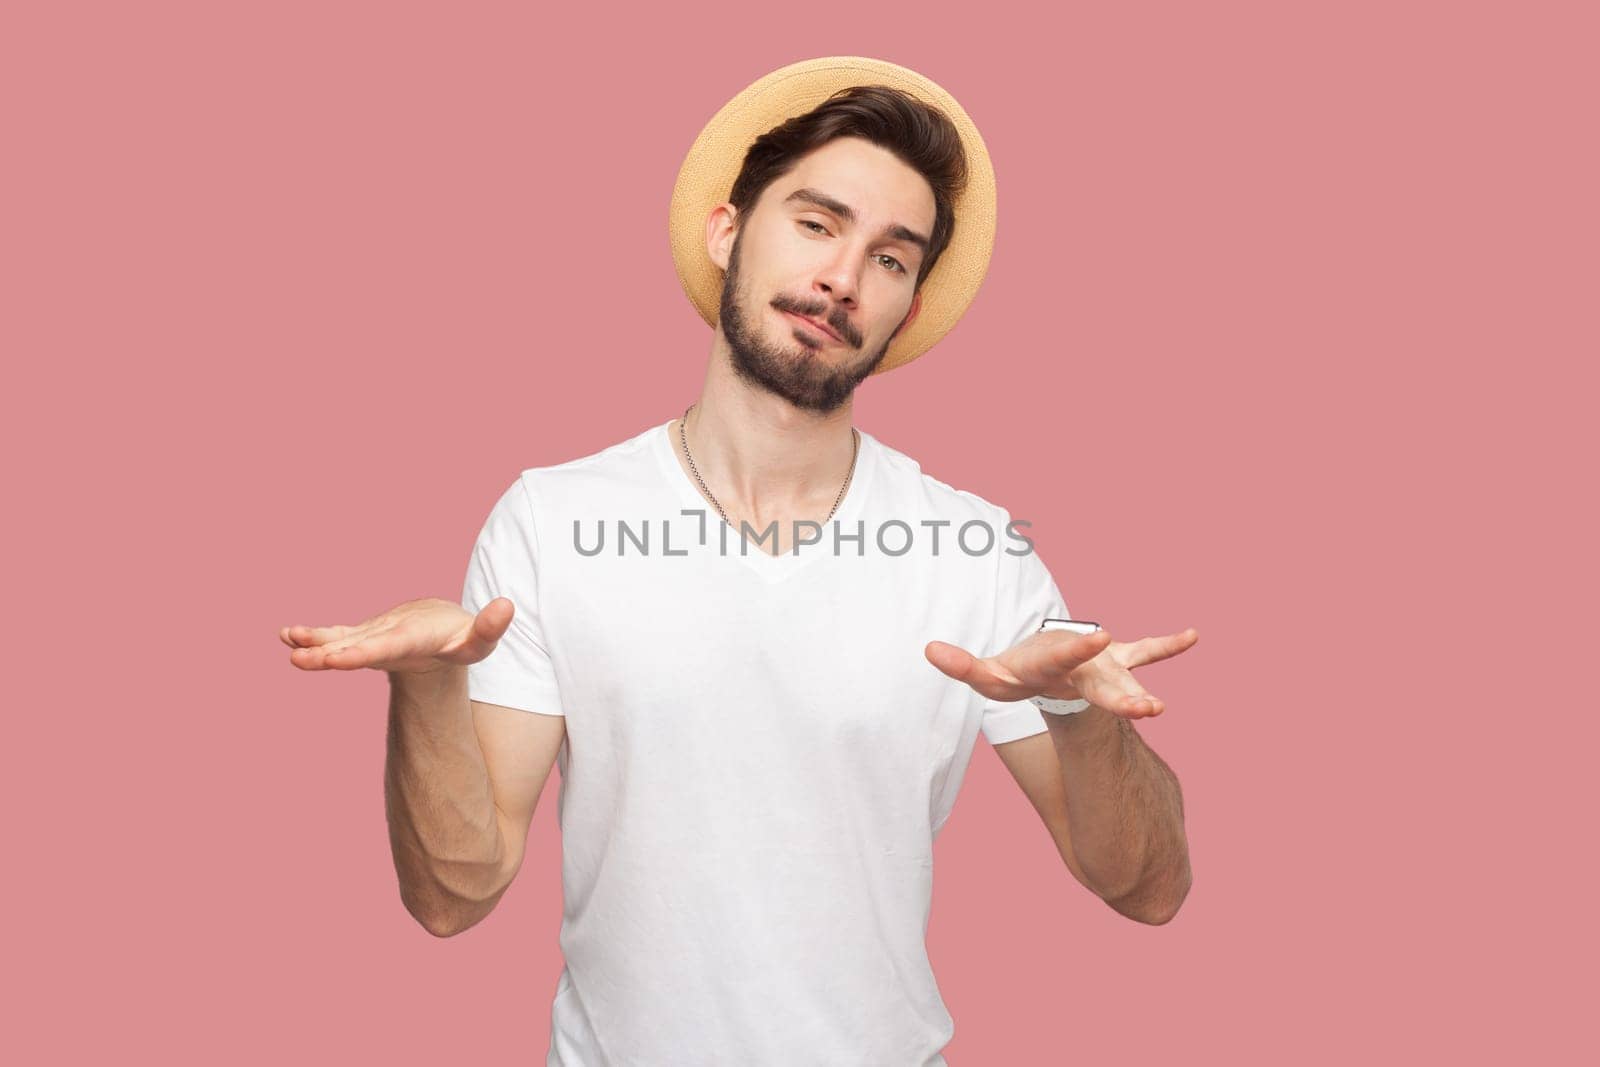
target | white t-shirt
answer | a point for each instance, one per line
(758, 755)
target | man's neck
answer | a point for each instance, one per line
(763, 458)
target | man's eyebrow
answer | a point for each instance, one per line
(848, 214)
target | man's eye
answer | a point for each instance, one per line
(897, 266)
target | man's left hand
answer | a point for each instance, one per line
(1067, 666)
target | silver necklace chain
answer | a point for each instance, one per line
(683, 435)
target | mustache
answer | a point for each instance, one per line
(840, 325)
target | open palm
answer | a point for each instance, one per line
(417, 637)
(1066, 666)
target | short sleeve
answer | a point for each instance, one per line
(1025, 595)
(518, 673)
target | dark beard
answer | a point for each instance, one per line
(804, 380)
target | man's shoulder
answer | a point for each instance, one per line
(627, 462)
(905, 478)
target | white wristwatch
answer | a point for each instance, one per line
(1051, 704)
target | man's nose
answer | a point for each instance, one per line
(841, 275)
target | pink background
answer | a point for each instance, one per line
(1281, 340)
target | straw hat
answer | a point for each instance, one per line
(708, 171)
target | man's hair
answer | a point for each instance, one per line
(921, 136)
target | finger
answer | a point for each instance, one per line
(357, 653)
(315, 657)
(1137, 704)
(490, 624)
(350, 657)
(1154, 649)
(987, 676)
(346, 641)
(307, 636)
(482, 634)
(364, 637)
(1142, 705)
(1119, 692)
(1076, 649)
(307, 659)
(1046, 659)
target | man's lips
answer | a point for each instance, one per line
(814, 324)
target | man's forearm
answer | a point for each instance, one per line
(443, 825)
(1124, 812)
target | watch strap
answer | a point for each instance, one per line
(1059, 707)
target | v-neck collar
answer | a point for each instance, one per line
(772, 568)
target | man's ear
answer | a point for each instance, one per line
(720, 232)
(916, 306)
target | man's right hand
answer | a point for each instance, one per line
(417, 637)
